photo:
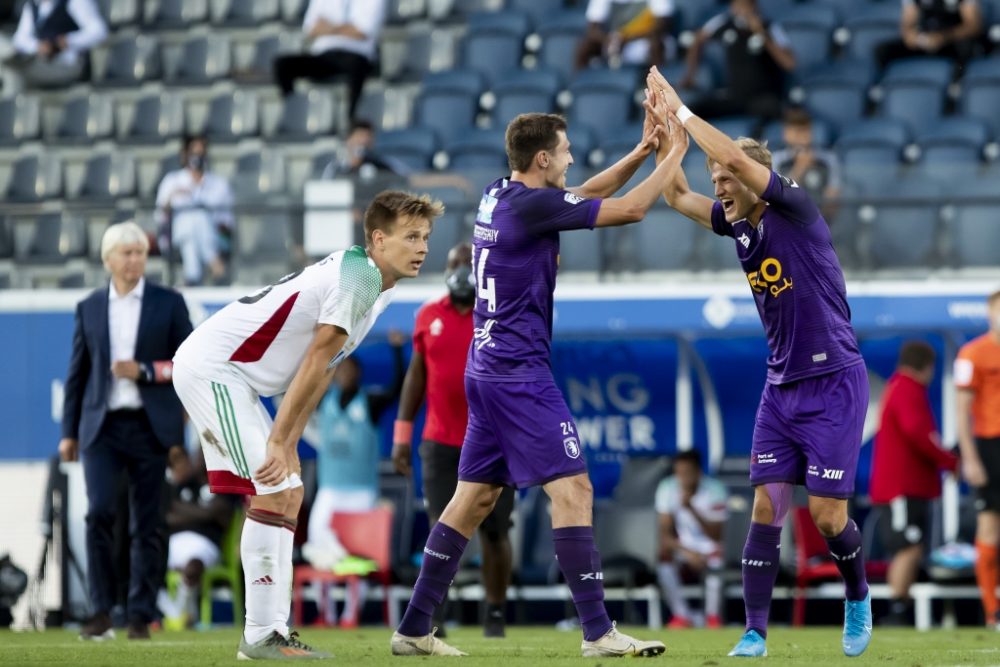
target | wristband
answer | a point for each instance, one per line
(684, 114)
(163, 371)
(402, 431)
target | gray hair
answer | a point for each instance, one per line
(122, 233)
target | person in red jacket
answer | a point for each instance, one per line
(906, 470)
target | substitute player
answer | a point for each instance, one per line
(288, 337)
(977, 375)
(808, 427)
(520, 430)
(441, 341)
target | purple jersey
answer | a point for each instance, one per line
(515, 257)
(797, 283)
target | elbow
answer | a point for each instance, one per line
(633, 213)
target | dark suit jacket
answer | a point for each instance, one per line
(163, 325)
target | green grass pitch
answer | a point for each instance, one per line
(819, 647)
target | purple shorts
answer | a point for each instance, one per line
(809, 432)
(520, 434)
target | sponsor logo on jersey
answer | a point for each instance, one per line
(813, 471)
(831, 473)
(766, 458)
(437, 326)
(789, 183)
(435, 554)
(572, 447)
(745, 240)
(571, 198)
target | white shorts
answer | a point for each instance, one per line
(187, 546)
(233, 427)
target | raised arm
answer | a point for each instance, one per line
(716, 145)
(677, 192)
(307, 388)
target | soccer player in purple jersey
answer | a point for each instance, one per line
(520, 431)
(809, 423)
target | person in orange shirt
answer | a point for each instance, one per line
(977, 376)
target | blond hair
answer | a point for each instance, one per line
(122, 233)
(390, 205)
(755, 150)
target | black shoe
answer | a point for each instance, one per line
(493, 627)
(138, 629)
(98, 628)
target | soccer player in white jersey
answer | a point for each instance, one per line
(288, 337)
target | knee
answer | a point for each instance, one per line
(829, 521)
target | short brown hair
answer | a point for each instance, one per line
(529, 133)
(390, 205)
(992, 298)
(755, 150)
(798, 117)
(916, 354)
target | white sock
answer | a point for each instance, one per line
(713, 594)
(286, 544)
(260, 549)
(671, 584)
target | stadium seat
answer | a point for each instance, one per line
(242, 14)
(510, 21)
(465, 81)
(119, 13)
(955, 130)
(19, 119)
(256, 66)
(86, 119)
(449, 114)
(305, 116)
(492, 52)
(933, 71)
(536, 10)
(477, 149)
(6, 238)
(602, 110)
(155, 120)
(904, 228)
(840, 104)
(816, 14)
(259, 176)
(949, 163)
(131, 60)
(982, 69)
(34, 178)
(919, 105)
(449, 229)
(106, 178)
(175, 14)
(981, 99)
(560, 32)
(231, 117)
(293, 12)
(409, 59)
(736, 126)
(665, 240)
(859, 73)
(867, 31)
(203, 61)
(870, 166)
(974, 232)
(811, 44)
(773, 133)
(413, 146)
(775, 10)
(265, 242)
(889, 132)
(523, 91)
(581, 250)
(54, 240)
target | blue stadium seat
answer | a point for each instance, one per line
(560, 33)
(704, 80)
(955, 130)
(176, 14)
(466, 81)
(106, 178)
(871, 167)
(131, 61)
(949, 164)
(982, 69)
(904, 229)
(773, 133)
(582, 142)
(692, 14)
(851, 72)
(625, 79)
(448, 230)
(981, 99)
(231, 117)
(34, 179)
(477, 149)
(449, 114)
(840, 104)
(581, 250)
(816, 14)
(414, 146)
(868, 30)
(811, 44)
(736, 126)
(492, 52)
(934, 71)
(156, 120)
(203, 61)
(889, 132)
(974, 232)
(917, 104)
(305, 116)
(775, 10)
(600, 108)
(664, 240)
(510, 21)
(537, 10)
(523, 91)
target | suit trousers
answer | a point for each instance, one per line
(126, 443)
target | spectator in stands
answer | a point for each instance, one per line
(359, 157)
(692, 509)
(630, 31)
(347, 460)
(977, 376)
(817, 170)
(906, 471)
(195, 210)
(948, 28)
(758, 56)
(344, 38)
(121, 415)
(197, 520)
(52, 41)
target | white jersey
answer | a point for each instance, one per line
(264, 337)
(709, 501)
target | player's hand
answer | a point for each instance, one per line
(678, 136)
(657, 81)
(397, 338)
(127, 369)
(401, 457)
(69, 449)
(974, 473)
(650, 140)
(275, 467)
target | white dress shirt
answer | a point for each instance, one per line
(365, 15)
(92, 29)
(123, 328)
(211, 195)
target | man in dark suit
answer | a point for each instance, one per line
(121, 414)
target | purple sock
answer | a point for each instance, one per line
(846, 551)
(441, 555)
(581, 566)
(760, 569)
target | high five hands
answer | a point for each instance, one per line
(660, 104)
